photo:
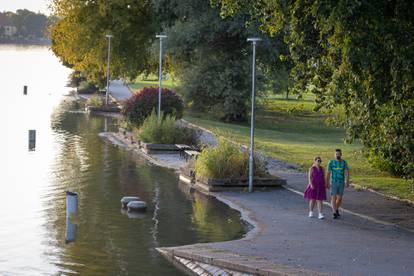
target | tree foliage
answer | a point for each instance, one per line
(28, 23)
(78, 37)
(212, 57)
(358, 55)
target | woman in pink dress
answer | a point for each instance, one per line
(316, 190)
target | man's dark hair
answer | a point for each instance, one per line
(338, 150)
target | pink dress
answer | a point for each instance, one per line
(318, 181)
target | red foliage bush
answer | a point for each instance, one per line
(140, 105)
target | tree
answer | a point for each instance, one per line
(78, 38)
(211, 56)
(357, 55)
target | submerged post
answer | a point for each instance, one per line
(161, 37)
(25, 90)
(32, 140)
(251, 157)
(71, 208)
(71, 203)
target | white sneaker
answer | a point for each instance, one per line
(321, 216)
(311, 214)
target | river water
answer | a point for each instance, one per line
(69, 155)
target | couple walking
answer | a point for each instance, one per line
(336, 179)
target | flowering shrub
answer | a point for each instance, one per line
(139, 106)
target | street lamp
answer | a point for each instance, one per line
(254, 40)
(109, 37)
(161, 37)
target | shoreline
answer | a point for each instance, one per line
(192, 262)
(229, 260)
(241, 255)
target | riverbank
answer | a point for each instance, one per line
(284, 240)
(293, 132)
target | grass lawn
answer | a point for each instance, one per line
(290, 130)
(152, 81)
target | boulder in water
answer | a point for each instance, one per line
(136, 206)
(127, 199)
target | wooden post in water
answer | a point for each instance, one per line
(71, 208)
(32, 140)
(25, 90)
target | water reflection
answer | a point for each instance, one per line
(71, 156)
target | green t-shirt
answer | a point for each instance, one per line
(337, 170)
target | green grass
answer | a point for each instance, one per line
(290, 130)
(151, 81)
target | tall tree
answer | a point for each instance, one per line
(358, 55)
(211, 56)
(78, 38)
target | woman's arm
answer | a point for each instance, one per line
(310, 178)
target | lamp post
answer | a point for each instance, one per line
(254, 40)
(161, 37)
(109, 37)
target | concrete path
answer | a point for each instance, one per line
(363, 203)
(284, 241)
(119, 91)
(287, 240)
(375, 235)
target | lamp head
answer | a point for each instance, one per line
(109, 36)
(161, 36)
(254, 39)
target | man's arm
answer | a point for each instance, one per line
(347, 177)
(346, 174)
(328, 176)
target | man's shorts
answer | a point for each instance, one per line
(337, 188)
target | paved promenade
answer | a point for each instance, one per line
(375, 235)
(119, 91)
(287, 241)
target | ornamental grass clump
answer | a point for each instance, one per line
(227, 160)
(95, 100)
(166, 131)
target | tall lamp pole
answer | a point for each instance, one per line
(254, 40)
(161, 37)
(109, 37)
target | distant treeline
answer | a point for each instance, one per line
(29, 26)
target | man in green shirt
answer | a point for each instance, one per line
(337, 178)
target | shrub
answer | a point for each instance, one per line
(167, 131)
(87, 88)
(140, 105)
(95, 100)
(226, 160)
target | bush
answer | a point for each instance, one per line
(227, 161)
(166, 132)
(87, 88)
(139, 106)
(95, 100)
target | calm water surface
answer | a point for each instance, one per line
(69, 155)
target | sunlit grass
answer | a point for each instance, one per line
(150, 81)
